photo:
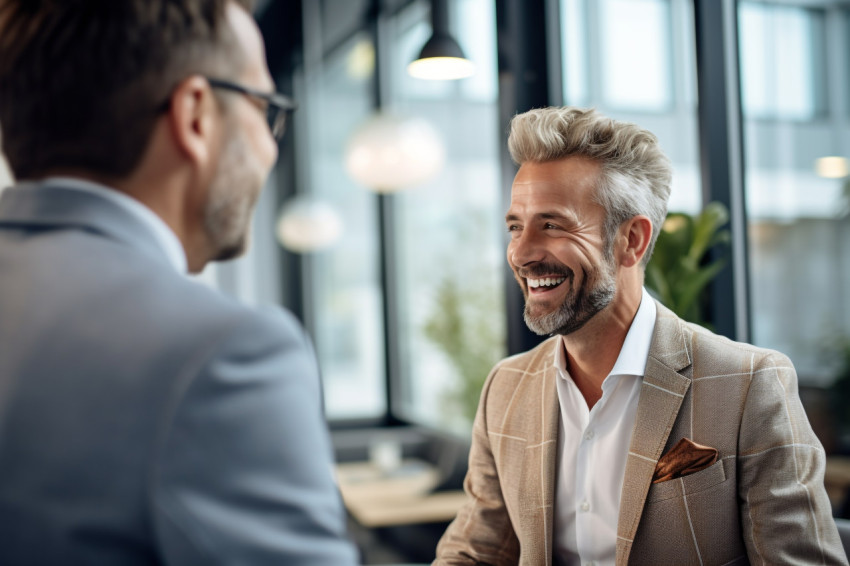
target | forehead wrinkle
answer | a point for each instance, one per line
(558, 192)
(567, 215)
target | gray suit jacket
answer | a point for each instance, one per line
(763, 502)
(145, 418)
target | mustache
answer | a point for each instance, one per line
(539, 269)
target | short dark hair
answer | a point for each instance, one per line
(82, 82)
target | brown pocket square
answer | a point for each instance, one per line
(686, 457)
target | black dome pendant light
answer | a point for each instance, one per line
(441, 57)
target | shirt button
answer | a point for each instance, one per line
(589, 434)
(585, 506)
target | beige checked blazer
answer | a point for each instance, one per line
(763, 502)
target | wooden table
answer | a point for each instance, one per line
(401, 497)
(837, 479)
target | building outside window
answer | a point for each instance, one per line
(449, 236)
(634, 60)
(342, 288)
(442, 240)
(794, 68)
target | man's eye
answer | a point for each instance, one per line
(512, 227)
(549, 226)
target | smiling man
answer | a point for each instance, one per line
(144, 417)
(629, 436)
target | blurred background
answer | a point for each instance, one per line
(382, 224)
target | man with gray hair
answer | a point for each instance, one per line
(629, 436)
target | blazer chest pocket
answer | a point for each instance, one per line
(686, 485)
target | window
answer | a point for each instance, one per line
(342, 290)
(635, 60)
(574, 52)
(781, 54)
(625, 61)
(799, 232)
(443, 240)
(635, 52)
(449, 237)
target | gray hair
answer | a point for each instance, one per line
(635, 177)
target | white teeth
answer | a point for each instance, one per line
(547, 282)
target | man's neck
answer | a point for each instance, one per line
(166, 197)
(593, 350)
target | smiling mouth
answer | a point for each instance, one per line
(544, 283)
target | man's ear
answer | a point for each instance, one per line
(193, 116)
(635, 234)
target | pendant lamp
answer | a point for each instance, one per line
(441, 57)
(388, 153)
(832, 167)
(307, 224)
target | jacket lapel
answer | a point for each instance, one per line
(661, 395)
(551, 421)
(536, 421)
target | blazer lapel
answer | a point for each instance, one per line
(661, 397)
(548, 460)
(536, 421)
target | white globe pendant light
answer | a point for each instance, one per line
(389, 153)
(308, 225)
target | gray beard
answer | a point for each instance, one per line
(577, 309)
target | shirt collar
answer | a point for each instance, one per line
(161, 232)
(635, 350)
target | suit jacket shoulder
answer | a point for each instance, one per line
(174, 422)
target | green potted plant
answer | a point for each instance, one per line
(678, 271)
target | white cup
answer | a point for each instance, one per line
(385, 454)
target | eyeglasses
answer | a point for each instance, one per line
(277, 106)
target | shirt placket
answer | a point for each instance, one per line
(586, 470)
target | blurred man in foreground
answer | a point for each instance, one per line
(145, 418)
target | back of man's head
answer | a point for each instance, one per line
(82, 82)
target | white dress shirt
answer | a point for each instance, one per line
(160, 231)
(592, 449)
